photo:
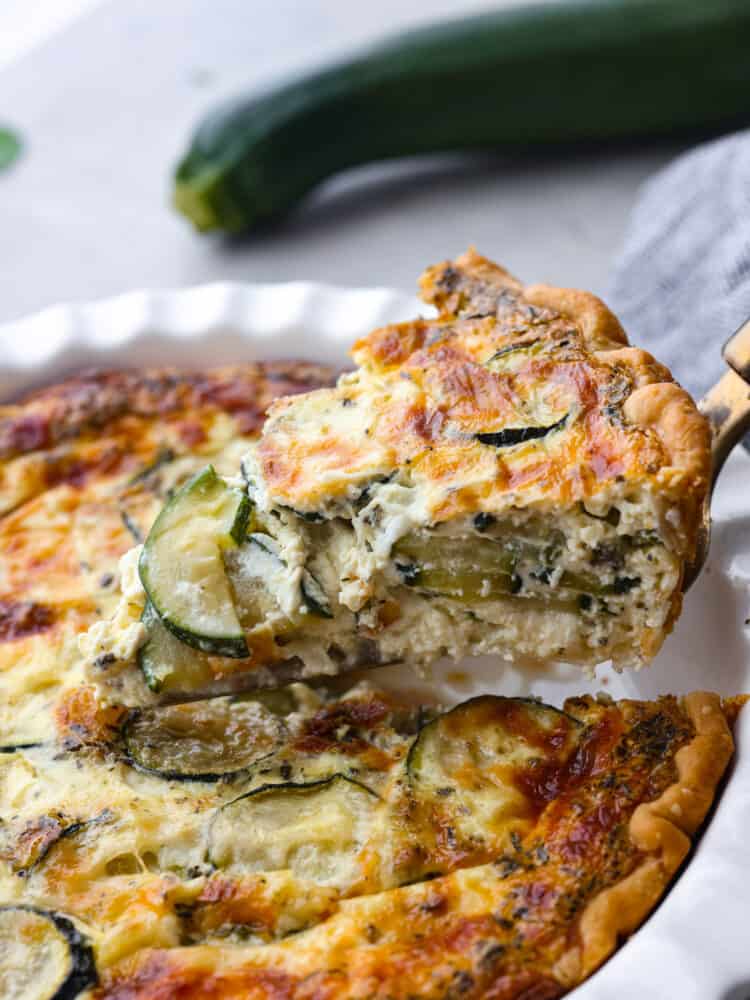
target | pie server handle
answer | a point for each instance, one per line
(727, 404)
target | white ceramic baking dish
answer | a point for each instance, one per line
(696, 946)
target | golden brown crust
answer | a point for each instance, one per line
(471, 284)
(661, 830)
(644, 369)
(668, 410)
(598, 324)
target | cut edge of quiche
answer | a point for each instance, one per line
(508, 478)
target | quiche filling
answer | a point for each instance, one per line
(321, 595)
(506, 479)
(307, 829)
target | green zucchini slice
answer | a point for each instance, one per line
(182, 566)
(467, 570)
(42, 956)
(461, 569)
(316, 829)
(478, 762)
(506, 437)
(251, 568)
(203, 740)
(508, 358)
(268, 559)
(168, 664)
(60, 837)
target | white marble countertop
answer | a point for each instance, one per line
(106, 105)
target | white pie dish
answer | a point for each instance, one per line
(694, 946)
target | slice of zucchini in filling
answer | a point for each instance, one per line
(42, 956)
(182, 565)
(469, 764)
(238, 597)
(202, 741)
(316, 829)
(579, 588)
(475, 778)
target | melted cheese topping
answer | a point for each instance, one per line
(124, 854)
(418, 418)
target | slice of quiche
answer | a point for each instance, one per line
(508, 478)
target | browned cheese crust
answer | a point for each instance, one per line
(612, 828)
(429, 388)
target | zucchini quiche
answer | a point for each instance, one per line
(320, 840)
(507, 478)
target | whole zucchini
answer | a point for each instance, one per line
(541, 74)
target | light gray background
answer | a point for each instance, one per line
(107, 105)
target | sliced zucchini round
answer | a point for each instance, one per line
(509, 358)
(267, 545)
(316, 829)
(457, 568)
(182, 565)
(67, 838)
(203, 740)
(467, 570)
(168, 664)
(53, 834)
(295, 766)
(477, 763)
(42, 956)
(255, 569)
(314, 597)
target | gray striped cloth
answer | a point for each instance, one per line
(681, 284)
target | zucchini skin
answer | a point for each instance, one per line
(83, 974)
(150, 569)
(274, 788)
(463, 707)
(134, 757)
(509, 436)
(515, 78)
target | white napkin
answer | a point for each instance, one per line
(681, 285)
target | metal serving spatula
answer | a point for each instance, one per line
(727, 408)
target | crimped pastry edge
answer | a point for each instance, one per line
(662, 830)
(657, 403)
